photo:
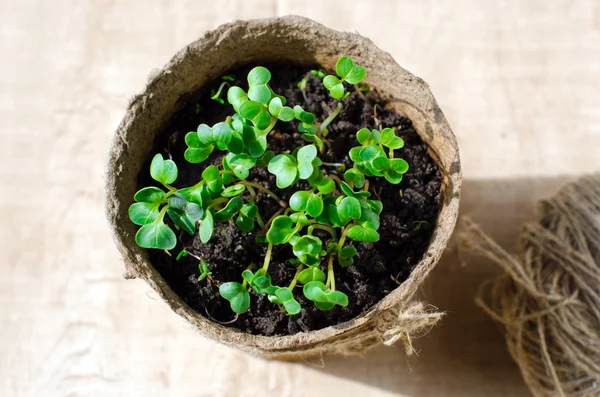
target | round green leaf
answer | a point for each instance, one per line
(376, 206)
(206, 227)
(284, 167)
(256, 144)
(236, 97)
(355, 154)
(355, 176)
(307, 245)
(337, 298)
(156, 235)
(149, 195)
(205, 135)
(348, 251)
(369, 219)
(185, 216)
(240, 164)
(311, 274)
(198, 155)
(193, 194)
(249, 210)
(366, 137)
(192, 140)
(331, 81)
(314, 291)
(349, 208)
(231, 208)
(345, 261)
(393, 177)
(257, 113)
(390, 140)
(399, 165)
(303, 116)
(275, 106)
(260, 94)
(244, 223)
(163, 171)
(299, 217)
(281, 230)
(251, 109)
(363, 234)
(233, 190)
(236, 144)
(259, 75)
(214, 182)
(368, 153)
(286, 297)
(143, 213)
(237, 295)
(347, 190)
(356, 75)
(306, 155)
(314, 206)
(286, 114)
(299, 200)
(221, 135)
(343, 66)
(381, 163)
(325, 185)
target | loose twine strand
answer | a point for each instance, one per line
(549, 297)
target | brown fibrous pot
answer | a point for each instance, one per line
(298, 40)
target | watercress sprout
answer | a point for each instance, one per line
(346, 70)
(319, 220)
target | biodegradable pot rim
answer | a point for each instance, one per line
(164, 85)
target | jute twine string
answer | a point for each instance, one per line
(549, 297)
(413, 322)
(394, 325)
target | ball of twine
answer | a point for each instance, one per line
(549, 296)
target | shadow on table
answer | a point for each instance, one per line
(466, 355)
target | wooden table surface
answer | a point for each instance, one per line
(518, 81)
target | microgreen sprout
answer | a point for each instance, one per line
(320, 222)
(347, 71)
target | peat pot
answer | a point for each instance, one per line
(300, 41)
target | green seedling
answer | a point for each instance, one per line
(371, 159)
(347, 71)
(318, 222)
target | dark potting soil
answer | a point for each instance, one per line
(409, 212)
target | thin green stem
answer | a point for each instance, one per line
(218, 93)
(335, 178)
(266, 191)
(275, 215)
(267, 259)
(295, 279)
(326, 228)
(332, 164)
(260, 221)
(161, 214)
(366, 185)
(360, 94)
(330, 276)
(343, 237)
(391, 153)
(215, 202)
(170, 188)
(252, 191)
(330, 118)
